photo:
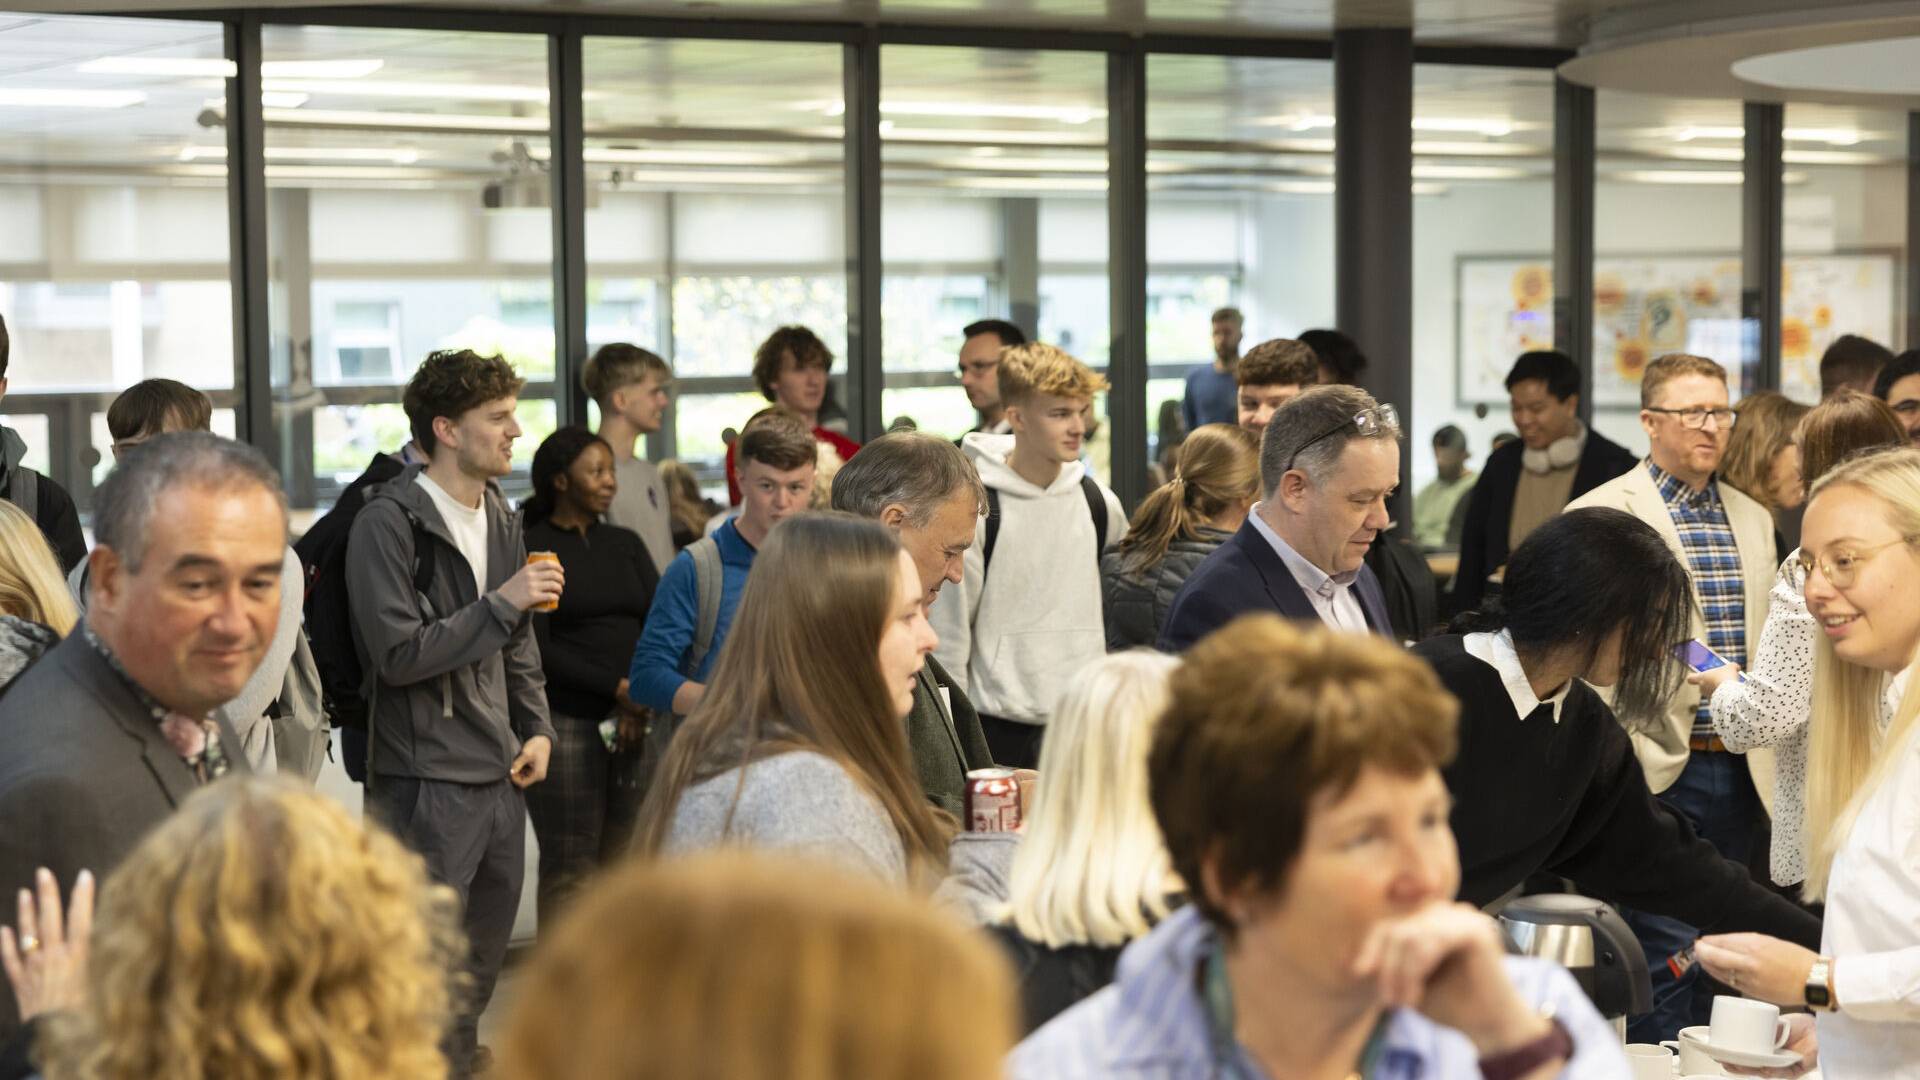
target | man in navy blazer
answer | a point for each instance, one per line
(1329, 461)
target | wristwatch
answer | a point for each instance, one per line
(1555, 1045)
(1820, 993)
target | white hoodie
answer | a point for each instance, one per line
(1013, 637)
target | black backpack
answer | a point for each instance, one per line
(329, 622)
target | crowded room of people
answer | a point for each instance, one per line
(904, 540)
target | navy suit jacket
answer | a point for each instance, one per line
(1245, 574)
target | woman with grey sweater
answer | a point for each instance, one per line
(800, 743)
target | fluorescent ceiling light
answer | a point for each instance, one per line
(319, 69)
(1300, 187)
(1029, 183)
(1296, 121)
(1443, 148)
(1829, 157)
(393, 156)
(215, 68)
(682, 178)
(1830, 136)
(626, 156)
(281, 100)
(23, 97)
(1703, 153)
(979, 135)
(1030, 164)
(1467, 172)
(346, 172)
(1492, 129)
(1685, 177)
(453, 123)
(415, 90)
(1065, 114)
(163, 66)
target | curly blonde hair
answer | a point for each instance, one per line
(262, 933)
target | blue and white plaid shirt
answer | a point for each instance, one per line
(1713, 559)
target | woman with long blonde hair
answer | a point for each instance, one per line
(36, 609)
(1860, 554)
(800, 740)
(1091, 872)
(753, 967)
(1216, 479)
(260, 933)
(1768, 704)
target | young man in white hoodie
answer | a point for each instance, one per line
(1026, 613)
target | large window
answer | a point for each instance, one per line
(1239, 211)
(409, 210)
(713, 215)
(1482, 248)
(1845, 236)
(994, 206)
(113, 227)
(1667, 240)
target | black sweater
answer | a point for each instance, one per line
(1570, 799)
(586, 645)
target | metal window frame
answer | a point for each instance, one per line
(1128, 55)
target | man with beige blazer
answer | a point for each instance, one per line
(1725, 540)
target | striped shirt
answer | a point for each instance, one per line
(1152, 1024)
(1713, 560)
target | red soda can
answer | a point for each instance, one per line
(993, 801)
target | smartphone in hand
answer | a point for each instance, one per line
(1698, 656)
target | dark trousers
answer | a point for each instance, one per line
(473, 838)
(583, 812)
(1715, 793)
(1015, 745)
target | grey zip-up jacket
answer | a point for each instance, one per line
(456, 680)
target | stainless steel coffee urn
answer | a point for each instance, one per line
(1589, 939)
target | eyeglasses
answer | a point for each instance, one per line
(1696, 419)
(1843, 566)
(1366, 424)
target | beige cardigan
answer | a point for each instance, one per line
(1664, 753)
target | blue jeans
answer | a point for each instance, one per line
(1715, 793)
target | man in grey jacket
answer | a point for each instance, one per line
(439, 586)
(113, 728)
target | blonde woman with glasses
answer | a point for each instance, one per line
(1860, 552)
(36, 610)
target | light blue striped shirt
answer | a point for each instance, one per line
(1151, 1024)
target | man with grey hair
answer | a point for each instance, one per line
(925, 490)
(1329, 461)
(114, 727)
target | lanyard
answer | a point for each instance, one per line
(1218, 994)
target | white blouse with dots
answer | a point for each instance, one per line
(1771, 707)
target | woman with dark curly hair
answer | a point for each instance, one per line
(262, 934)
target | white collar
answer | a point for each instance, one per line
(1313, 580)
(1496, 651)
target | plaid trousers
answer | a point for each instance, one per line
(584, 811)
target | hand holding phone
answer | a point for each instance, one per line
(1698, 657)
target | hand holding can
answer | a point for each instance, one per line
(546, 557)
(993, 801)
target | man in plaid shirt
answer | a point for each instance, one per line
(1726, 542)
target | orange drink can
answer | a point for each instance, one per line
(544, 556)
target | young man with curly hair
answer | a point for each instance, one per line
(1270, 375)
(439, 587)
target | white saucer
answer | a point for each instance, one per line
(1752, 1059)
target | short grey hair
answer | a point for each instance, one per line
(123, 507)
(1317, 411)
(920, 472)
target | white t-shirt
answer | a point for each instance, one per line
(468, 526)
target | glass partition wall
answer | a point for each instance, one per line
(404, 181)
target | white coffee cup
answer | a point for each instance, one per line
(1691, 1046)
(1744, 1024)
(1650, 1061)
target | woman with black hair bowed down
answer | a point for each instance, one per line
(1546, 778)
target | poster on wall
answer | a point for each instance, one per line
(1644, 306)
